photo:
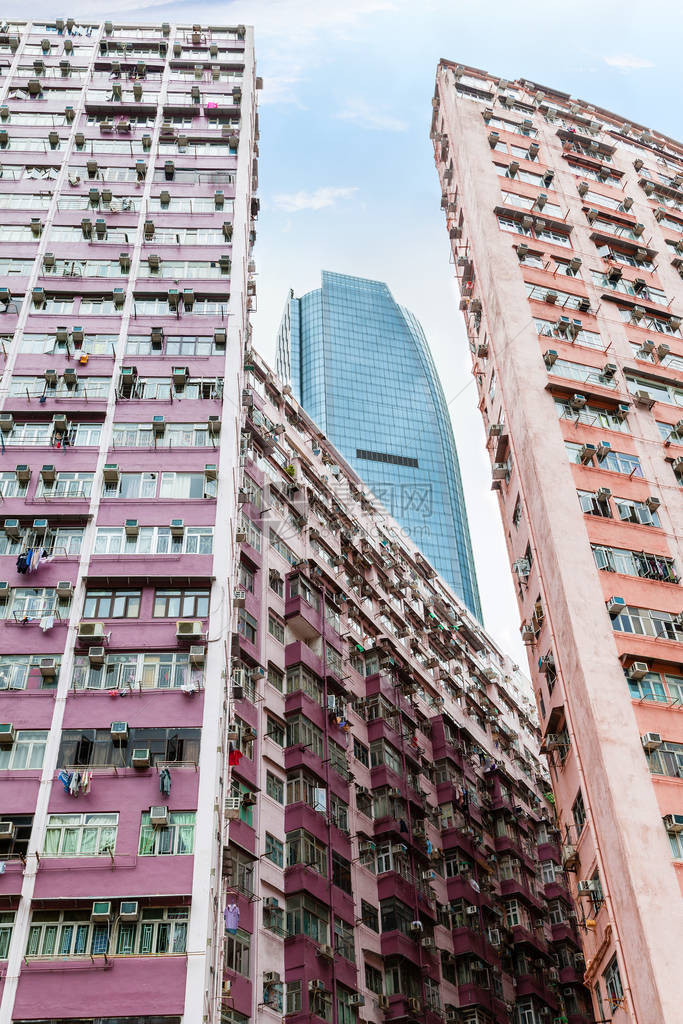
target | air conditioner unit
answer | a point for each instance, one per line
(11, 528)
(111, 473)
(577, 401)
(197, 655)
(615, 605)
(471, 910)
(6, 420)
(587, 886)
(211, 471)
(132, 528)
(621, 411)
(271, 977)
(188, 628)
(141, 758)
(90, 630)
(550, 357)
(7, 734)
(271, 903)
(101, 911)
(383, 1002)
(233, 805)
(129, 910)
(428, 876)
(414, 1005)
(7, 829)
(119, 732)
(644, 398)
(316, 985)
(96, 655)
(248, 799)
(499, 471)
(177, 527)
(651, 740)
(214, 425)
(638, 670)
(40, 525)
(48, 668)
(158, 816)
(602, 450)
(673, 822)
(603, 494)
(569, 856)
(428, 942)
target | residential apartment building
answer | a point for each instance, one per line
(566, 226)
(361, 366)
(126, 222)
(389, 839)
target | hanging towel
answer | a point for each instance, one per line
(231, 916)
(47, 622)
(234, 757)
(165, 781)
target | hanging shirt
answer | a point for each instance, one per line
(165, 781)
(234, 757)
(231, 917)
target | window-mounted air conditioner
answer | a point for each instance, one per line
(587, 885)
(111, 473)
(638, 670)
(96, 655)
(158, 816)
(651, 740)
(326, 951)
(65, 588)
(7, 830)
(673, 822)
(11, 528)
(101, 911)
(232, 807)
(119, 732)
(188, 628)
(129, 910)
(615, 605)
(48, 668)
(90, 630)
(141, 758)
(7, 734)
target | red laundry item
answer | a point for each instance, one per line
(234, 757)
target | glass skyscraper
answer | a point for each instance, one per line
(361, 367)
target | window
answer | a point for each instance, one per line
(83, 748)
(276, 628)
(17, 669)
(647, 622)
(237, 952)
(275, 730)
(304, 848)
(275, 787)
(276, 678)
(579, 812)
(181, 604)
(160, 930)
(517, 512)
(370, 917)
(361, 752)
(276, 583)
(302, 732)
(112, 604)
(612, 979)
(593, 506)
(247, 625)
(636, 512)
(343, 939)
(274, 850)
(176, 838)
(154, 540)
(66, 485)
(132, 485)
(27, 751)
(124, 672)
(80, 835)
(341, 872)
(293, 999)
(666, 759)
(183, 486)
(6, 923)
(307, 916)
(301, 678)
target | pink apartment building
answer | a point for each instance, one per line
(566, 227)
(126, 222)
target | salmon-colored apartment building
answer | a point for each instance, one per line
(566, 228)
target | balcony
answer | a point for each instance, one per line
(466, 941)
(535, 985)
(302, 618)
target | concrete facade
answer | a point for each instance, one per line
(566, 225)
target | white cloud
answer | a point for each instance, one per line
(627, 62)
(294, 202)
(365, 116)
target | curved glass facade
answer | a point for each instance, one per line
(361, 367)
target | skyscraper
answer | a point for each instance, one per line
(128, 168)
(566, 224)
(361, 367)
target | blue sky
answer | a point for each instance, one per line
(347, 177)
